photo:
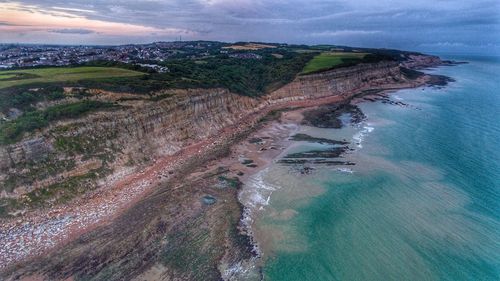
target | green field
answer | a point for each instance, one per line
(10, 78)
(7, 76)
(328, 60)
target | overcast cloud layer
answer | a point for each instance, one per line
(425, 25)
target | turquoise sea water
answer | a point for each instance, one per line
(422, 202)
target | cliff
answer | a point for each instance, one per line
(137, 190)
(70, 157)
(422, 61)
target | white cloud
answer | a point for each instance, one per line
(346, 32)
(72, 31)
(73, 10)
(371, 23)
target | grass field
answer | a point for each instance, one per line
(328, 60)
(7, 76)
(11, 78)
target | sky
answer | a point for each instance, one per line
(459, 26)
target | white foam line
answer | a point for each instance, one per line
(360, 136)
(345, 170)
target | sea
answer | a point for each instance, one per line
(422, 201)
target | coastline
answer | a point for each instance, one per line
(420, 203)
(294, 119)
(236, 139)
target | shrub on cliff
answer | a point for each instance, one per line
(12, 131)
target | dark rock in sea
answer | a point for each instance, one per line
(314, 161)
(328, 156)
(452, 62)
(329, 116)
(308, 138)
(440, 80)
(306, 170)
(330, 153)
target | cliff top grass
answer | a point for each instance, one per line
(329, 60)
(11, 78)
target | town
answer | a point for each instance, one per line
(146, 55)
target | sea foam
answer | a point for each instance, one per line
(360, 136)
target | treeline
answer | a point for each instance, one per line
(369, 58)
(250, 77)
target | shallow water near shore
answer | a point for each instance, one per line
(421, 203)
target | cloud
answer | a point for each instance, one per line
(333, 33)
(453, 45)
(4, 23)
(73, 10)
(73, 31)
(444, 44)
(373, 23)
(32, 19)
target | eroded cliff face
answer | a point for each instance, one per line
(421, 61)
(87, 151)
(344, 81)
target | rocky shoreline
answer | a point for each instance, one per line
(328, 116)
(193, 175)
